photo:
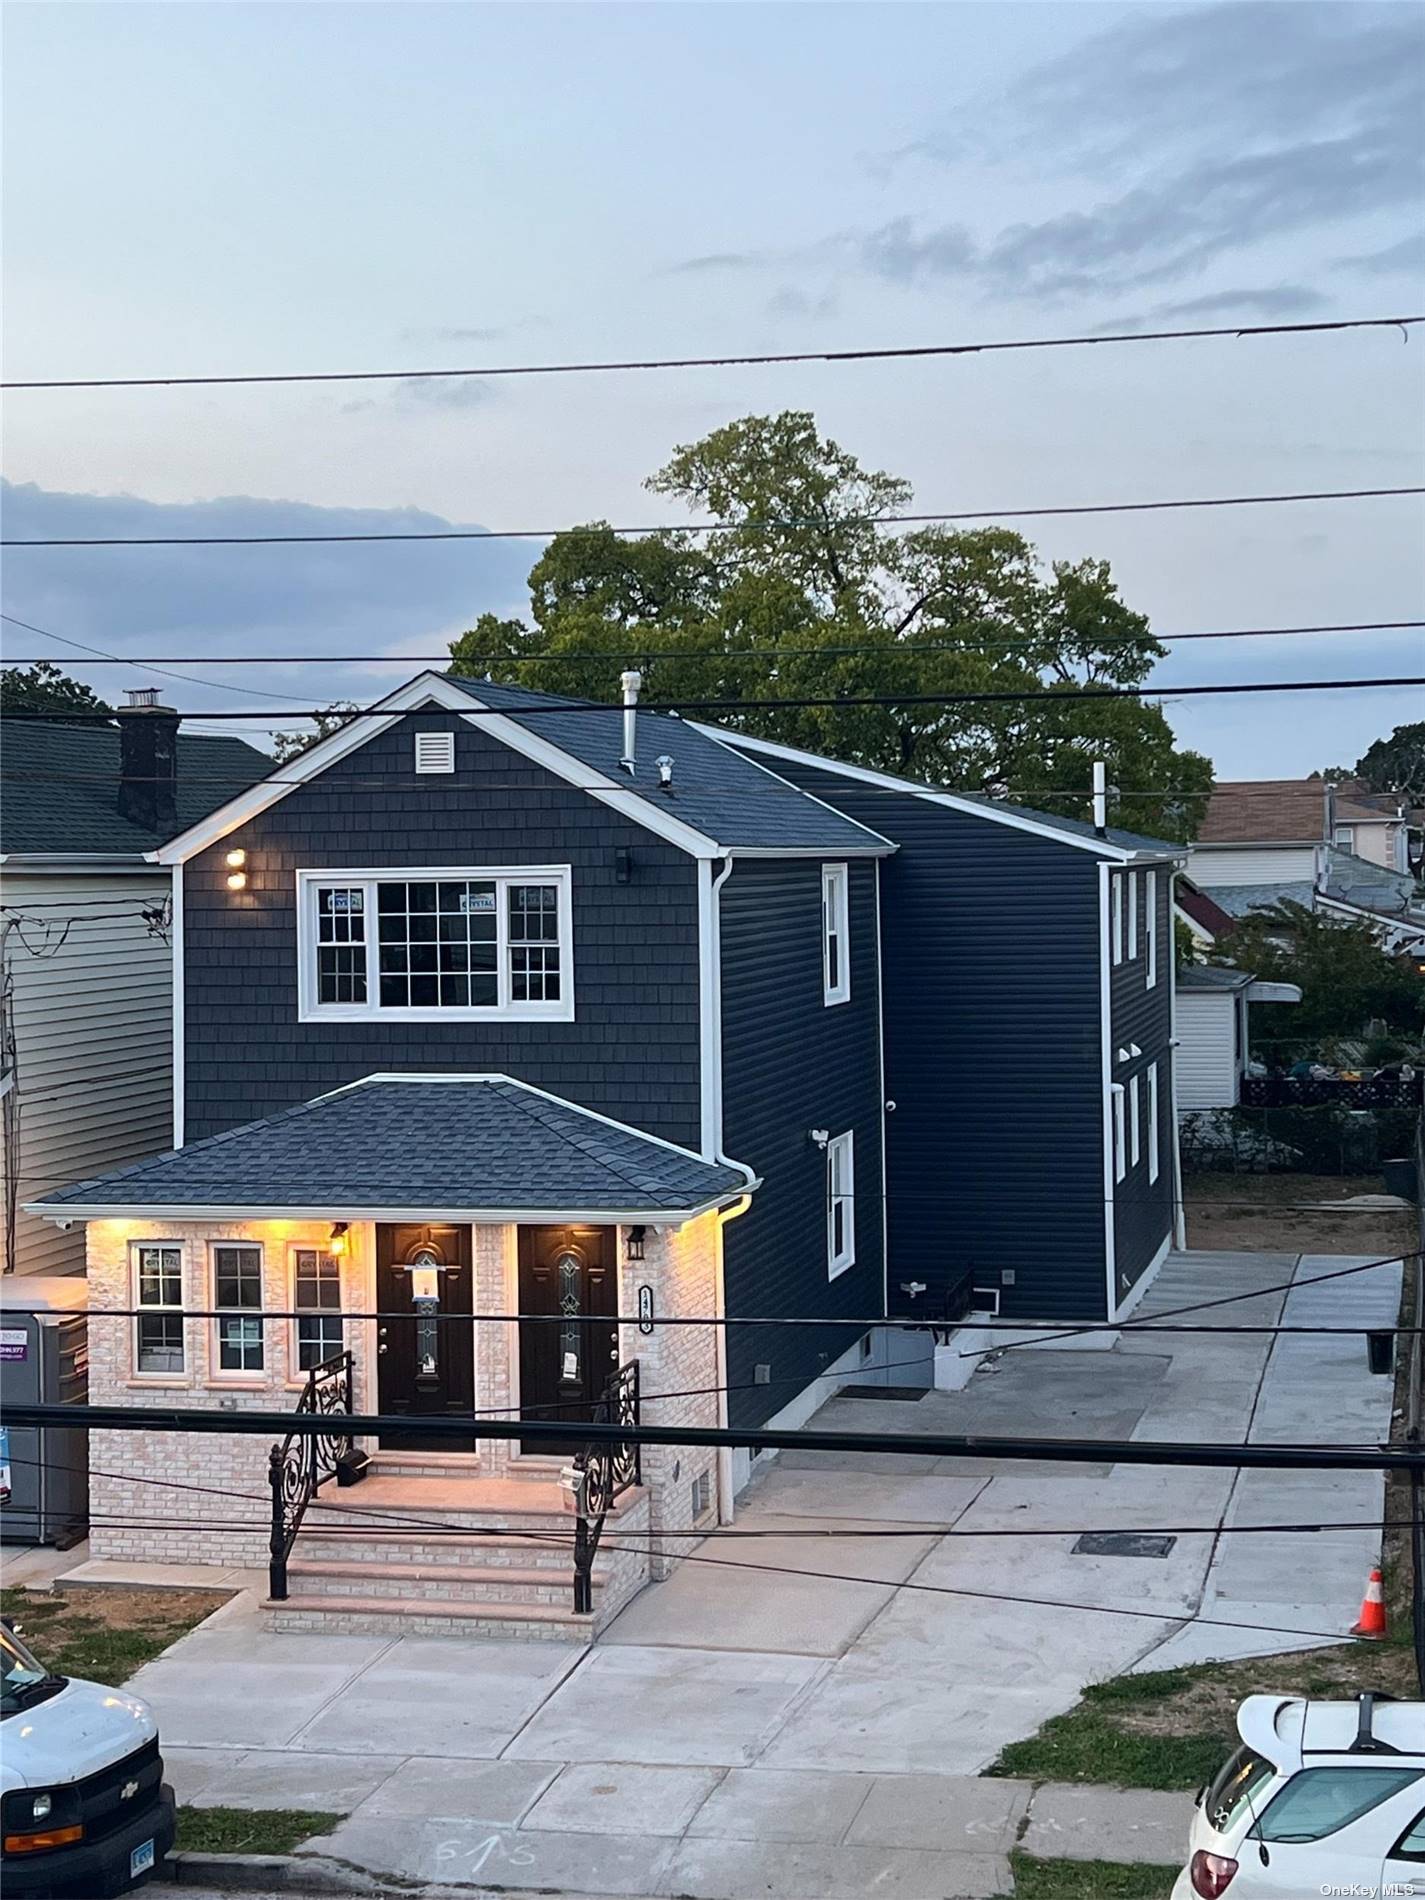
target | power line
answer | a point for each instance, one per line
(698, 527)
(612, 656)
(1039, 695)
(758, 360)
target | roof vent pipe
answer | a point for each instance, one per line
(1328, 812)
(630, 682)
(1100, 799)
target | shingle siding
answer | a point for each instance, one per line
(791, 1064)
(632, 1050)
(992, 1030)
(1142, 1017)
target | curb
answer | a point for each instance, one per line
(289, 1873)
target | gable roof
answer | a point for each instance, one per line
(459, 1148)
(1286, 810)
(1113, 843)
(61, 788)
(718, 803)
(1204, 911)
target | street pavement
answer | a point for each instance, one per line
(804, 1709)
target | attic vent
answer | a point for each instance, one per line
(435, 751)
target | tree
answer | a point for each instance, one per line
(44, 688)
(806, 595)
(1346, 979)
(1396, 764)
(288, 745)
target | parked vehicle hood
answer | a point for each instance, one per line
(84, 1728)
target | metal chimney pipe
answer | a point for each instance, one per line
(630, 682)
(1100, 798)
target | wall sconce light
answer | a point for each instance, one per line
(623, 865)
(237, 880)
(633, 1244)
(237, 876)
(337, 1245)
(236, 860)
(819, 1136)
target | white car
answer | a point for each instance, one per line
(1321, 1798)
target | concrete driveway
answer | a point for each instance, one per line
(801, 1708)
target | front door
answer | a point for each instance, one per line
(425, 1346)
(569, 1347)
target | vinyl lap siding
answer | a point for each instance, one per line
(1266, 864)
(791, 1064)
(1206, 1054)
(632, 1050)
(93, 1028)
(1142, 1017)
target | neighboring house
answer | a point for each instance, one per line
(85, 958)
(1206, 921)
(1338, 849)
(1213, 1039)
(497, 1004)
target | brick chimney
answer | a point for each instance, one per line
(148, 762)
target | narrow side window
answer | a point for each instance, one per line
(835, 935)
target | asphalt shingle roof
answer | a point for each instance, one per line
(417, 1144)
(61, 787)
(1349, 880)
(1238, 899)
(1205, 976)
(1286, 810)
(715, 789)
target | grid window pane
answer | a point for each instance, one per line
(237, 1286)
(341, 944)
(158, 1336)
(534, 943)
(438, 944)
(160, 1277)
(160, 1343)
(319, 1337)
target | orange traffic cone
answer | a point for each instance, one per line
(1372, 1621)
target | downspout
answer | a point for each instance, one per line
(711, 922)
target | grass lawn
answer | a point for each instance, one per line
(249, 1830)
(1173, 1728)
(1088, 1879)
(105, 1634)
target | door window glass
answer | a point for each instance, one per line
(1318, 1801)
(569, 1293)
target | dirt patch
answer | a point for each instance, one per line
(1275, 1213)
(1207, 1704)
(106, 1634)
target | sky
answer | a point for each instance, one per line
(208, 189)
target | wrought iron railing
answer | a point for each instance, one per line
(601, 1473)
(302, 1463)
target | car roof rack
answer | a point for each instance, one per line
(1367, 1742)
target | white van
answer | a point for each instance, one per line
(1322, 1797)
(85, 1807)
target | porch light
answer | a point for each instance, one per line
(633, 1244)
(236, 860)
(237, 880)
(337, 1244)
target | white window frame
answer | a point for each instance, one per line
(240, 1375)
(840, 1191)
(296, 1371)
(309, 883)
(835, 927)
(433, 752)
(1120, 1132)
(1132, 877)
(1344, 837)
(1115, 897)
(1153, 1137)
(1135, 1122)
(158, 1310)
(1150, 927)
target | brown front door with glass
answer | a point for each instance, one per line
(425, 1364)
(569, 1344)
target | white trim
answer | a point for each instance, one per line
(1150, 927)
(973, 808)
(424, 690)
(1145, 1279)
(873, 851)
(841, 1149)
(218, 1373)
(881, 1072)
(1130, 878)
(1118, 1109)
(309, 1010)
(835, 929)
(184, 1327)
(1155, 1134)
(1135, 1122)
(295, 1371)
(70, 863)
(1115, 901)
(1105, 1012)
(348, 1211)
(179, 1029)
(1177, 1227)
(710, 885)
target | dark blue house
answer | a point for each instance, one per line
(495, 1005)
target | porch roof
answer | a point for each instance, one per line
(429, 1147)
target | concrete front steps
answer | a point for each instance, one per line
(427, 1547)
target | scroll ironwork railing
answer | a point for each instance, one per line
(601, 1473)
(302, 1463)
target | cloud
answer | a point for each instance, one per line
(266, 601)
(424, 393)
(1405, 259)
(712, 261)
(790, 300)
(442, 334)
(1267, 301)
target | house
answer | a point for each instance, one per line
(85, 956)
(1205, 920)
(523, 1040)
(1213, 1036)
(1338, 849)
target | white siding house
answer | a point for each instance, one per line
(1212, 1032)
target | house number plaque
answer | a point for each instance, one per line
(645, 1310)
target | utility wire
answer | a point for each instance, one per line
(1039, 695)
(774, 526)
(968, 644)
(104, 658)
(758, 360)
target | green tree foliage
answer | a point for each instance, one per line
(288, 745)
(44, 688)
(1396, 764)
(1346, 979)
(802, 566)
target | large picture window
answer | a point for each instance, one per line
(237, 1300)
(316, 1300)
(158, 1293)
(433, 944)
